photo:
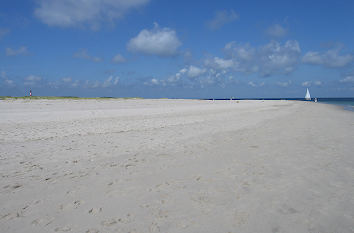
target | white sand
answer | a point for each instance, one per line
(175, 166)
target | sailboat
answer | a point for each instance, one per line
(307, 96)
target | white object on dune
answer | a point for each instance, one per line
(307, 96)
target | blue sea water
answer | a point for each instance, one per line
(346, 103)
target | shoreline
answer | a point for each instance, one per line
(175, 166)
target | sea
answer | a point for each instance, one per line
(346, 103)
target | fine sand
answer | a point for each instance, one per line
(175, 166)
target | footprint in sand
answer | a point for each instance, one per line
(16, 186)
(42, 221)
(73, 205)
(287, 210)
(92, 231)
(95, 210)
(109, 222)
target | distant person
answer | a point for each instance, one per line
(30, 93)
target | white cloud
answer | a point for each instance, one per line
(276, 30)
(242, 52)
(32, 80)
(277, 58)
(253, 84)
(75, 84)
(272, 58)
(158, 41)
(194, 71)
(318, 83)
(310, 83)
(220, 63)
(96, 84)
(14, 52)
(306, 84)
(330, 58)
(269, 59)
(184, 70)
(347, 79)
(284, 84)
(118, 59)
(221, 18)
(155, 81)
(110, 81)
(71, 13)
(175, 78)
(83, 54)
(7, 81)
(66, 80)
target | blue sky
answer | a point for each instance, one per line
(177, 49)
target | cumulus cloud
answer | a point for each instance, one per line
(331, 58)
(156, 82)
(276, 30)
(318, 83)
(75, 83)
(279, 58)
(284, 84)
(14, 52)
(83, 54)
(194, 71)
(306, 84)
(194, 76)
(269, 59)
(221, 18)
(9, 82)
(71, 13)
(110, 81)
(310, 83)
(347, 79)
(118, 59)
(174, 79)
(219, 63)
(32, 80)
(66, 80)
(253, 84)
(157, 41)
(6, 80)
(242, 53)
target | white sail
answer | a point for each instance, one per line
(308, 96)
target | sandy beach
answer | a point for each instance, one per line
(111, 165)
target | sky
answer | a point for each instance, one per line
(177, 49)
